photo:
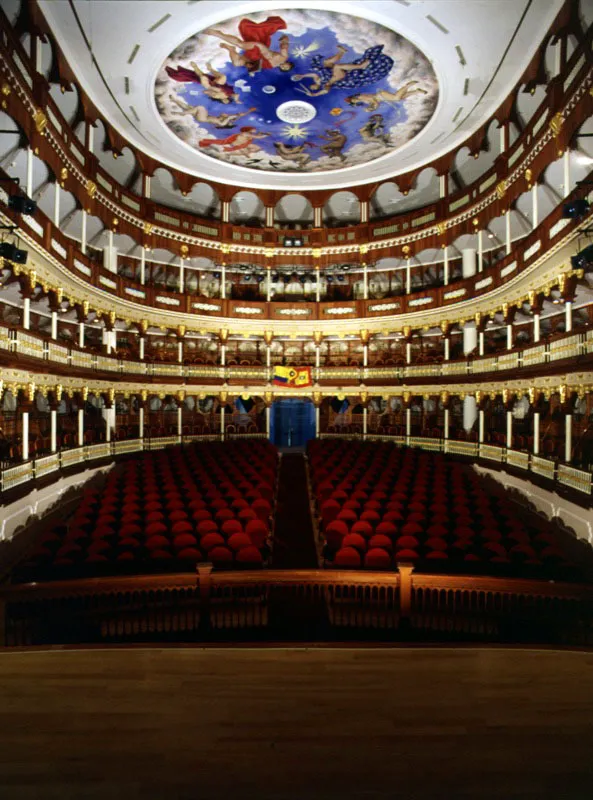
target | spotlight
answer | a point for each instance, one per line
(576, 209)
(12, 253)
(583, 258)
(22, 204)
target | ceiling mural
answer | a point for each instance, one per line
(296, 91)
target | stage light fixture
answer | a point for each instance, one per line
(576, 208)
(22, 204)
(582, 259)
(13, 253)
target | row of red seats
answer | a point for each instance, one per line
(208, 501)
(379, 504)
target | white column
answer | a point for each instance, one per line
(80, 427)
(470, 412)
(317, 361)
(470, 338)
(365, 355)
(364, 421)
(222, 355)
(566, 171)
(480, 251)
(141, 422)
(110, 254)
(268, 356)
(54, 324)
(317, 284)
(507, 221)
(179, 420)
(57, 204)
(83, 233)
(142, 265)
(535, 433)
(568, 315)
(408, 422)
(317, 421)
(226, 210)
(510, 336)
(142, 343)
(181, 275)
(317, 218)
(503, 137)
(509, 429)
(481, 342)
(268, 285)
(223, 282)
(81, 334)
(408, 352)
(109, 417)
(447, 348)
(110, 341)
(146, 181)
(90, 137)
(408, 276)
(568, 439)
(53, 421)
(222, 423)
(269, 216)
(29, 178)
(468, 262)
(180, 352)
(26, 313)
(268, 414)
(365, 281)
(364, 211)
(442, 186)
(446, 266)
(446, 424)
(25, 435)
(481, 425)
(536, 328)
(534, 206)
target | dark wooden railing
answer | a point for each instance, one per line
(294, 604)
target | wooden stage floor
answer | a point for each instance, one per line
(296, 723)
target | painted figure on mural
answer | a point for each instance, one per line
(253, 49)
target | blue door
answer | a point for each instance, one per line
(292, 422)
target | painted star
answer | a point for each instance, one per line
(294, 132)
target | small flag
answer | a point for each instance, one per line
(295, 377)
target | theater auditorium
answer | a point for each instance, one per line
(296, 399)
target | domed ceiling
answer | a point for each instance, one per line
(297, 90)
(252, 93)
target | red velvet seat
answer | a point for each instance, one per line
(378, 558)
(347, 558)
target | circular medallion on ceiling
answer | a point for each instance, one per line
(296, 91)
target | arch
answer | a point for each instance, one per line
(342, 208)
(247, 209)
(293, 211)
(385, 200)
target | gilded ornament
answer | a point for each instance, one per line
(556, 123)
(501, 189)
(441, 228)
(316, 252)
(406, 249)
(148, 226)
(5, 93)
(528, 176)
(40, 121)
(184, 250)
(91, 188)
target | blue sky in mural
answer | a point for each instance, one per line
(340, 134)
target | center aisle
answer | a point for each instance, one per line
(294, 546)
